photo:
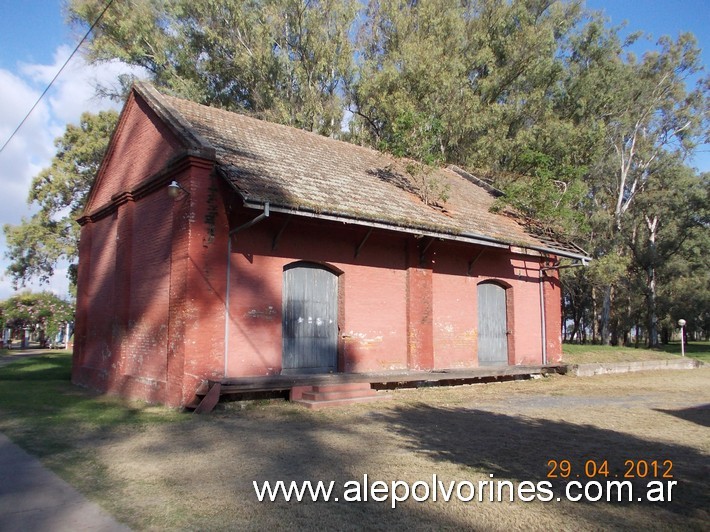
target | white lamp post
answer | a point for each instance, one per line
(681, 323)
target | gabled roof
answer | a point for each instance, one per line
(307, 174)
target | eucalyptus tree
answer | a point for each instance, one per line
(684, 285)
(673, 209)
(468, 83)
(539, 95)
(410, 95)
(650, 117)
(282, 60)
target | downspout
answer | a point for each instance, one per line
(542, 316)
(234, 231)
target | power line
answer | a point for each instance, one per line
(86, 36)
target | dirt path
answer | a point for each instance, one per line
(199, 474)
(16, 354)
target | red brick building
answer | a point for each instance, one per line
(285, 252)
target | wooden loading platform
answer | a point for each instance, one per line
(212, 391)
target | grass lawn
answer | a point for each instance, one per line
(581, 354)
(154, 468)
(699, 350)
(39, 404)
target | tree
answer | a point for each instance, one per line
(539, 96)
(51, 235)
(476, 84)
(411, 78)
(671, 210)
(281, 60)
(549, 198)
(467, 83)
(650, 119)
(44, 314)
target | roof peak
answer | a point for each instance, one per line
(196, 142)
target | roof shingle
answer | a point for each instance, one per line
(303, 171)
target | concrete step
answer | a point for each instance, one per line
(346, 386)
(317, 405)
(338, 394)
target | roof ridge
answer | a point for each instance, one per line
(476, 181)
(171, 116)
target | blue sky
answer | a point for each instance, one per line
(35, 41)
(31, 31)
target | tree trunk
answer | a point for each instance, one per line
(575, 331)
(564, 317)
(651, 283)
(651, 308)
(595, 322)
(604, 325)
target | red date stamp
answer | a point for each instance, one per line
(593, 468)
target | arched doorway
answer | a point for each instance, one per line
(492, 325)
(310, 319)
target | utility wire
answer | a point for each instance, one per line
(57, 75)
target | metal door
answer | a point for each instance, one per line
(310, 319)
(492, 325)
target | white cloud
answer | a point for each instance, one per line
(32, 148)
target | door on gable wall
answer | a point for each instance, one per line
(492, 325)
(310, 319)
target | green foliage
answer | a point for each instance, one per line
(548, 199)
(52, 234)
(282, 60)
(681, 257)
(43, 312)
(430, 188)
(608, 269)
(469, 83)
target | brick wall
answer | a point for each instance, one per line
(372, 321)
(142, 145)
(146, 284)
(455, 310)
(94, 353)
(553, 316)
(399, 309)
(205, 277)
(126, 268)
(157, 296)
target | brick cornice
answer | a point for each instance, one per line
(154, 183)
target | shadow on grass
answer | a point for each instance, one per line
(50, 367)
(295, 446)
(519, 448)
(37, 395)
(700, 415)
